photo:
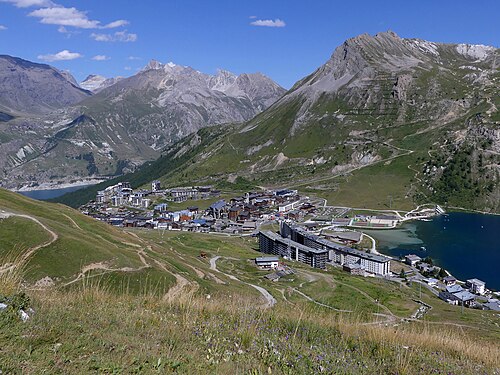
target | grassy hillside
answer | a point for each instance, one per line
(135, 301)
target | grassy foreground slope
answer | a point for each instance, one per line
(146, 302)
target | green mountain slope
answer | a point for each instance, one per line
(384, 117)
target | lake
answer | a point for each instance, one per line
(465, 244)
(52, 193)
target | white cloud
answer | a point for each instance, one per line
(134, 58)
(60, 56)
(115, 24)
(119, 36)
(101, 58)
(2, 27)
(269, 23)
(252, 17)
(29, 3)
(64, 17)
(51, 13)
(128, 68)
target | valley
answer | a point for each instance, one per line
(220, 223)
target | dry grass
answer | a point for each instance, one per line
(13, 268)
(94, 328)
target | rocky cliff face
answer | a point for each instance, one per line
(30, 88)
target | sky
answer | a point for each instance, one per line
(284, 39)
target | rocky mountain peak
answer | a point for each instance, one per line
(222, 80)
(153, 65)
(34, 88)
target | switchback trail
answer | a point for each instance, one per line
(32, 250)
(270, 300)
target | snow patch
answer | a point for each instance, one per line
(475, 51)
(426, 46)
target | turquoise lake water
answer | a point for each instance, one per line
(466, 244)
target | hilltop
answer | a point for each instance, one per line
(125, 300)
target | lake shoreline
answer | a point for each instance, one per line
(463, 243)
(47, 186)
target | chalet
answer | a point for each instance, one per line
(354, 269)
(294, 215)
(425, 267)
(216, 209)
(412, 259)
(267, 262)
(448, 297)
(233, 213)
(249, 226)
(243, 216)
(465, 298)
(449, 280)
(454, 288)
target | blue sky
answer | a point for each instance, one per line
(284, 39)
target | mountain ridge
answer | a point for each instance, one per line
(417, 119)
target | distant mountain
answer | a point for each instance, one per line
(127, 122)
(96, 83)
(164, 102)
(31, 88)
(69, 77)
(385, 116)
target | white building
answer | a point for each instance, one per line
(156, 186)
(288, 206)
(412, 259)
(476, 286)
(267, 262)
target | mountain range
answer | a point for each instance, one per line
(51, 128)
(385, 122)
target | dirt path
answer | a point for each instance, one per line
(73, 222)
(270, 300)
(104, 267)
(173, 292)
(319, 303)
(31, 251)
